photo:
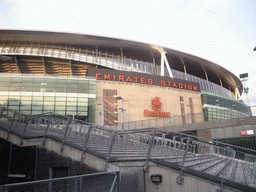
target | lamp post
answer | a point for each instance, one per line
(122, 108)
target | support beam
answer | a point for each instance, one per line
(17, 64)
(154, 62)
(220, 82)
(184, 67)
(237, 94)
(71, 70)
(206, 76)
(44, 64)
(164, 60)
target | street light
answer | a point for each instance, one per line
(122, 108)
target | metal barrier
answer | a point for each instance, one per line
(176, 120)
(183, 151)
(106, 181)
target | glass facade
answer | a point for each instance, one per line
(216, 107)
(36, 94)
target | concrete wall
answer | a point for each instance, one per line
(139, 97)
(191, 184)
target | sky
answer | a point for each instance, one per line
(221, 31)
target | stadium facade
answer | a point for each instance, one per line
(91, 78)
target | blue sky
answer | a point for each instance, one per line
(221, 31)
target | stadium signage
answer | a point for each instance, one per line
(156, 106)
(141, 78)
(246, 132)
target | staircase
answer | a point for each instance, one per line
(210, 160)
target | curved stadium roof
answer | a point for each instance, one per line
(141, 51)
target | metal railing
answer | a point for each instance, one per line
(106, 60)
(186, 152)
(70, 53)
(176, 120)
(106, 181)
(163, 122)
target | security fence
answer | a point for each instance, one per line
(202, 157)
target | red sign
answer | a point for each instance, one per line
(140, 78)
(156, 105)
(243, 132)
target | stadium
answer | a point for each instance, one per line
(70, 104)
(79, 75)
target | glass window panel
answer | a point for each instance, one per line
(60, 107)
(4, 79)
(86, 82)
(60, 89)
(92, 91)
(48, 102)
(37, 107)
(61, 99)
(4, 87)
(49, 85)
(50, 89)
(49, 81)
(61, 81)
(36, 103)
(49, 98)
(82, 109)
(14, 98)
(28, 102)
(25, 107)
(61, 112)
(3, 98)
(71, 90)
(71, 108)
(83, 114)
(38, 98)
(71, 103)
(80, 99)
(60, 103)
(71, 99)
(36, 89)
(14, 107)
(38, 80)
(73, 86)
(25, 98)
(82, 104)
(49, 107)
(36, 112)
(3, 102)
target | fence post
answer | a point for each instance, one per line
(85, 142)
(81, 184)
(48, 125)
(8, 135)
(114, 182)
(64, 138)
(23, 134)
(180, 179)
(149, 149)
(110, 147)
